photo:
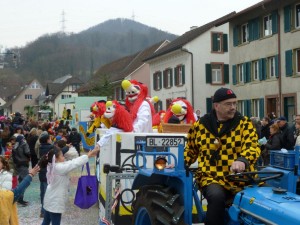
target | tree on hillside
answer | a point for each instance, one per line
(102, 88)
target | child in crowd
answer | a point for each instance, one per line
(8, 150)
(5, 175)
(58, 182)
(8, 156)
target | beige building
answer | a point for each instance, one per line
(25, 98)
(265, 58)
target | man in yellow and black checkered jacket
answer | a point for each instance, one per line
(223, 142)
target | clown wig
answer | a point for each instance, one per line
(122, 118)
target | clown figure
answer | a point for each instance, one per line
(98, 108)
(140, 108)
(120, 119)
(181, 112)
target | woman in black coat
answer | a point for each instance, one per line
(273, 143)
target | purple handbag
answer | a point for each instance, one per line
(87, 190)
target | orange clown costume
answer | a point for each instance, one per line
(120, 119)
(98, 109)
(139, 107)
(180, 111)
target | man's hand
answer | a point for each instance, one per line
(237, 167)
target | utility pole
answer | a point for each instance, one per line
(63, 20)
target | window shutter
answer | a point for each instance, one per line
(154, 81)
(208, 104)
(260, 69)
(215, 42)
(261, 108)
(276, 66)
(234, 74)
(264, 69)
(164, 79)
(176, 75)
(288, 63)
(247, 104)
(235, 36)
(160, 79)
(225, 42)
(256, 29)
(183, 74)
(208, 73)
(226, 73)
(245, 72)
(274, 22)
(248, 72)
(287, 19)
(171, 77)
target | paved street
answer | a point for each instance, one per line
(30, 215)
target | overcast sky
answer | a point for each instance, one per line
(23, 21)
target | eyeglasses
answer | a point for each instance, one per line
(229, 104)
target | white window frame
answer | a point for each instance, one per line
(271, 67)
(34, 85)
(167, 75)
(241, 73)
(245, 33)
(179, 77)
(66, 96)
(241, 107)
(297, 16)
(216, 73)
(256, 108)
(267, 25)
(157, 79)
(28, 97)
(255, 69)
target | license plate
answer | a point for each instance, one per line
(165, 141)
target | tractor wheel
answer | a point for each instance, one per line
(157, 205)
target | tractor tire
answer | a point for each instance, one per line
(157, 205)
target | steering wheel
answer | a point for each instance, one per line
(252, 178)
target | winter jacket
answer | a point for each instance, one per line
(274, 142)
(21, 154)
(57, 195)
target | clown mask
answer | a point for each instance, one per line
(110, 110)
(179, 109)
(132, 91)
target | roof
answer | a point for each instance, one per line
(120, 68)
(55, 89)
(62, 79)
(187, 37)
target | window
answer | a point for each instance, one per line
(75, 86)
(217, 42)
(179, 75)
(35, 85)
(168, 78)
(119, 93)
(298, 61)
(157, 81)
(297, 13)
(28, 97)
(240, 73)
(216, 74)
(255, 69)
(267, 23)
(256, 108)
(241, 107)
(168, 102)
(245, 33)
(271, 67)
(158, 106)
(65, 96)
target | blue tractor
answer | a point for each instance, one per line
(167, 195)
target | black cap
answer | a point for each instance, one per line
(223, 94)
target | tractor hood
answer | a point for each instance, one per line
(266, 205)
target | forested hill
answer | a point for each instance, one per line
(55, 55)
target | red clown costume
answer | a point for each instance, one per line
(139, 107)
(120, 119)
(180, 111)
